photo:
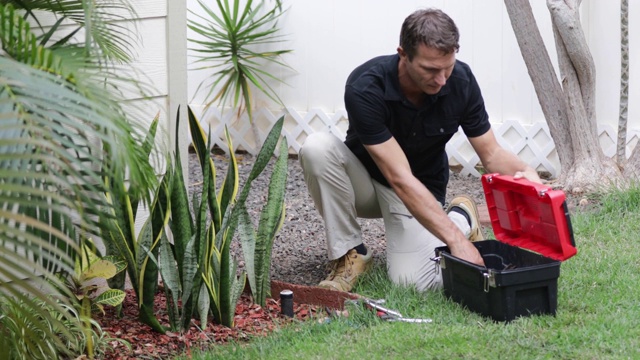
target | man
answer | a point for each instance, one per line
(403, 108)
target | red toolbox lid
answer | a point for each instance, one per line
(529, 215)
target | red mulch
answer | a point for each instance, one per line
(250, 320)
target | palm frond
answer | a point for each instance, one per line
(62, 131)
(50, 174)
(106, 36)
(80, 62)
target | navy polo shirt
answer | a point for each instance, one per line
(378, 110)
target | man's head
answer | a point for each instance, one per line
(430, 27)
(428, 46)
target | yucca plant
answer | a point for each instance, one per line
(198, 269)
(257, 244)
(228, 41)
(191, 267)
(137, 249)
(221, 271)
(53, 112)
(179, 262)
(183, 264)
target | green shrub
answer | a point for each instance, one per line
(26, 334)
(89, 267)
(198, 268)
(137, 250)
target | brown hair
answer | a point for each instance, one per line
(431, 27)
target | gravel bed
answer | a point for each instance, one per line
(299, 253)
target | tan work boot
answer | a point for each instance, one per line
(346, 271)
(465, 203)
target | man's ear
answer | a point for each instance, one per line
(401, 52)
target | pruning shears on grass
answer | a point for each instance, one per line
(386, 313)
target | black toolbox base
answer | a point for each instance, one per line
(521, 283)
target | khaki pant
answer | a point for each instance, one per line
(342, 191)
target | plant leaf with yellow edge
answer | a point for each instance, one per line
(99, 269)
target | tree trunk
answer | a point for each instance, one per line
(631, 167)
(590, 168)
(570, 108)
(631, 170)
(621, 155)
(543, 76)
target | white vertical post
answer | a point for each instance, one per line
(177, 78)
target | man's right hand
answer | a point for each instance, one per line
(465, 250)
(419, 201)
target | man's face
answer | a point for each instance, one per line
(429, 69)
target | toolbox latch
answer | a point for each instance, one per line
(489, 280)
(438, 263)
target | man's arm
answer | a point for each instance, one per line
(497, 159)
(394, 165)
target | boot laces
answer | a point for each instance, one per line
(341, 266)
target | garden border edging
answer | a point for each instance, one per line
(313, 295)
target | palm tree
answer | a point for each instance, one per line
(62, 131)
(621, 156)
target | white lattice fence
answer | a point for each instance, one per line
(532, 143)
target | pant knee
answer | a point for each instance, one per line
(316, 152)
(317, 142)
(414, 270)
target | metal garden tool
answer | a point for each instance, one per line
(385, 313)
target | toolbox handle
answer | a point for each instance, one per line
(489, 280)
(568, 216)
(486, 282)
(436, 259)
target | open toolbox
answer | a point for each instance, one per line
(532, 227)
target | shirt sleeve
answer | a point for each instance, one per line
(476, 120)
(367, 112)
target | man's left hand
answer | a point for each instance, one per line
(529, 174)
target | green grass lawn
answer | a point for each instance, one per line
(598, 315)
